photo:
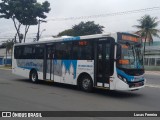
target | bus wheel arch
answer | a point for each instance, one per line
(85, 82)
(33, 75)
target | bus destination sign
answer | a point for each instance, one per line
(128, 37)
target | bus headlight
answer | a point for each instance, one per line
(122, 78)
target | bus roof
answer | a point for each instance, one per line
(70, 38)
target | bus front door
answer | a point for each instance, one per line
(103, 63)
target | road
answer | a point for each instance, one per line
(19, 94)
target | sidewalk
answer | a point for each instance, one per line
(2, 67)
(152, 72)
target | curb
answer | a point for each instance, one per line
(5, 69)
(152, 72)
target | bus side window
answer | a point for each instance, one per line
(63, 50)
(27, 53)
(76, 54)
(18, 52)
(107, 57)
(82, 51)
(49, 52)
(38, 52)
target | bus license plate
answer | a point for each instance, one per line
(137, 84)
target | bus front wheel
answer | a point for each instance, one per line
(33, 76)
(86, 84)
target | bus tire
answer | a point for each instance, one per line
(86, 84)
(34, 76)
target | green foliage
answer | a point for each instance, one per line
(147, 28)
(25, 12)
(69, 32)
(87, 28)
(82, 28)
(8, 44)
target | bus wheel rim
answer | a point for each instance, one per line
(33, 77)
(86, 83)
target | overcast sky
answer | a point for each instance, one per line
(78, 8)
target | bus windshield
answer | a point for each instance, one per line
(131, 56)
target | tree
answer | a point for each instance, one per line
(82, 28)
(9, 46)
(69, 32)
(147, 28)
(23, 12)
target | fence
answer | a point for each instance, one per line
(4, 61)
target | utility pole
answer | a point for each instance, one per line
(38, 33)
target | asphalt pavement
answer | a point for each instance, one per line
(19, 94)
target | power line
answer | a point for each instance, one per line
(96, 16)
(106, 15)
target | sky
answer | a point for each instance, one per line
(79, 8)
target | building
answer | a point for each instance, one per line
(152, 56)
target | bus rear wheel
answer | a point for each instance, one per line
(34, 76)
(86, 84)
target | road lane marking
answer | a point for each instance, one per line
(152, 85)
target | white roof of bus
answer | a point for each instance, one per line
(66, 38)
(71, 38)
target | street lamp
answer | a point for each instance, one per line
(39, 22)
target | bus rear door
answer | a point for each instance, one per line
(48, 63)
